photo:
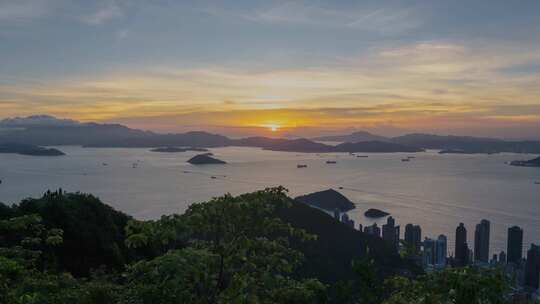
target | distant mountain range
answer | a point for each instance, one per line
(45, 130)
(451, 144)
(37, 120)
(467, 144)
(359, 136)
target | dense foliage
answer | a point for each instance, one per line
(452, 285)
(93, 233)
(260, 247)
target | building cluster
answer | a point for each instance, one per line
(433, 253)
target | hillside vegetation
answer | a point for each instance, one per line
(259, 247)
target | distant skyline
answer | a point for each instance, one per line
(297, 67)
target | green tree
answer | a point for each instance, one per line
(93, 233)
(365, 288)
(22, 285)
(27, 240)
(452, 285)
(233, 250)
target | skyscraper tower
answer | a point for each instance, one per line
(429, 254)
(481, 242)
(532, 267)
(502, 258)
(441, 250)
(373, 230)
(408, 236)
(413, 236)
(462, 250)
(514, 245)
(390, 233)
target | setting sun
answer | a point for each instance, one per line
(272, 127)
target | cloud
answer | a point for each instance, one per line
(387, 20)
(109, 11)
(428, 85)
(122, 34)
(24, 10)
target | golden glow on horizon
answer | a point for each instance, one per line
(273, 127)
(417, 87)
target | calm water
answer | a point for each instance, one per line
(435, 191)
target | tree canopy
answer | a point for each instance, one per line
(260, 247)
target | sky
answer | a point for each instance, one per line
(298, 67)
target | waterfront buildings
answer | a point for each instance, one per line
(481, 242)
(413, 236)
(532, 267)
(461, 248)
(514, 245)
(390, 233)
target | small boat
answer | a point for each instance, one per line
(331, 162)
(340, 188)
(301, 166)
(405, 160)
(105, 164)
(213, 177)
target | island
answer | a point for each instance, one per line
(453, 151)
(307, 146)
(51, 131)
(375, 147)
(177, 149)
(31, 150)
(375, 213)
(356, 137)
(461, 151)
(328, 200)
(205, 159)
(526, 163)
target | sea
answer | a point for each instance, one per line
(435, 191)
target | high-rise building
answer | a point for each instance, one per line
(429, 253)
(494, 259)
(397, 234)
(441, 250)
(408, 234)
(502, 257)
(532, 267)
(514, 245)
(462, 250)
(413, 236)
(390, 233)
(481, 242)
(435, 251)
(373, 230)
